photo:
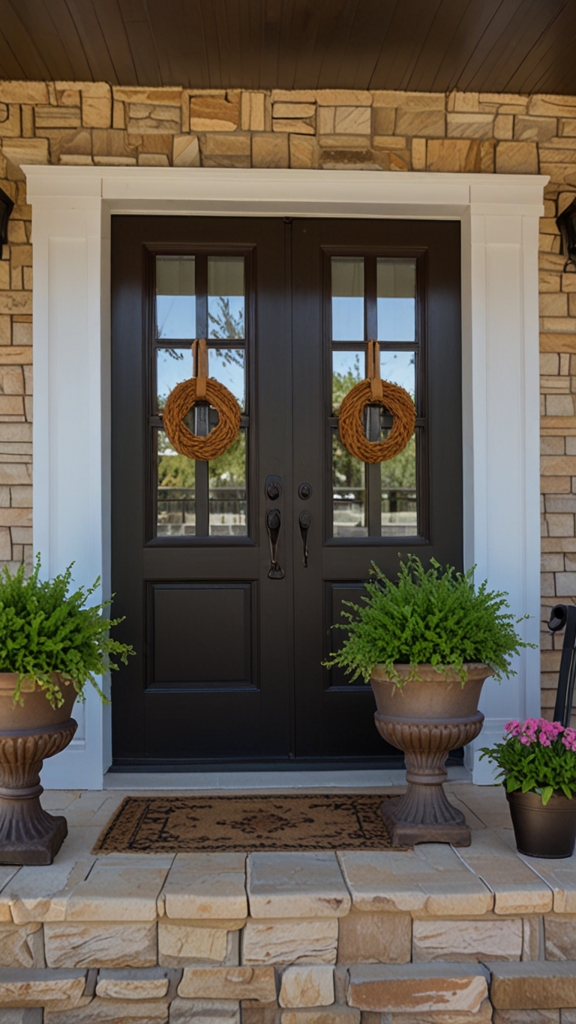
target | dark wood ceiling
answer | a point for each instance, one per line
(523, 46)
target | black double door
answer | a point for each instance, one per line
(229, 646)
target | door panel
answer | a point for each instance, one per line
(229, 660)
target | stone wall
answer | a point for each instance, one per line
(92, 123)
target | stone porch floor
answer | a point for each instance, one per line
(433, 936)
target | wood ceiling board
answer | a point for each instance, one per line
(305, 46)
(400, 47)
(551, 59)
(55, 38)
(22, 43)
(94, 42)
(142, 42)
(337, 44)
(175, 63)
(365, 44)
(441, 42)
(112, 27)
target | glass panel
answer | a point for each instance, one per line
(347, 369)
(176, 492)
(348, 492)
(225, 296)
(399, 509)
(400, 368)
(396, 300)
(175, 297)
(227, 366)
(228, 516)
(347, 298)
(172, 366)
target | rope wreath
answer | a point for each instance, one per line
(184, 396)
(374, 391)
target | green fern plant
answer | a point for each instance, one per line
(435, 616)
(48, 631)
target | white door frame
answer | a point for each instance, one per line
(72, 209)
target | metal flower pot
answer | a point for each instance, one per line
(427, 718)
(543, 830)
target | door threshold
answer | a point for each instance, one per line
(268, 781)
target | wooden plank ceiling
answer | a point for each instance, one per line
(525, 46)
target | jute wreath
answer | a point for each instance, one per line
(184, 396)
(374, 391)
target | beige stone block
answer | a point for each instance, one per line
(21, 987)
(453, 155)
(343, 98)
(560, 525)
(228, 983)
(293, 110)
(417, 987)
(303, 151)
(344, 142)
(526, 1017)
(469, 126)
(554, 304)
(215, 113)
(186, 152)
(352, 120)
(97, 109)
(290, 941)
(516, 158)
(153, 160)
(206, 885)
(111, 142)
(307, 985)
(482, 1016)
(11, 380)
(253, 111)
(180, 943)
(296, 885)
(10, 123)
(383, 120)
(291, 124)
(522, 986)
(57, 117)
(144, 118)
(332, 1015)
(460, 941)
(559, 405)
(503, 126)
(150, 983)
(206, 1011)
(558, 465)
(560, 929)
(26, 151)
(538, 129)
(119, 115)
(567, 126)
(568, 282)
(517, 889)
(409, 100)
(552, 106)
(226, 160)
(549, 342)
(431, 879)
(366, 938)
(157, 96)
(325, 119)
(424, 123)
(107, 1011)
(21, 947)
(121, 890)
(23, 92)
(100, 945)
(226, 145)
(270, 150)
(561, 324)
(549, 281)
(419, 154)
(21, 497)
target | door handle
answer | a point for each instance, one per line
(273, 524)
(305, 522)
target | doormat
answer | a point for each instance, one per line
(191, 824)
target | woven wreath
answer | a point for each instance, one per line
(374, 391)
(185, 395)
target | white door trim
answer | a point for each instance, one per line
(72, 208)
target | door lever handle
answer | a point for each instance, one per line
(305, 522)
(273, 524)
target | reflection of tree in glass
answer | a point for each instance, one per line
(225, 325)
(228, 470)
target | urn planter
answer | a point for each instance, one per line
(29, 733)
(543, 830)
(426, 718)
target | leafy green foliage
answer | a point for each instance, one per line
(536, 756)
(435, 616)
(45, 630)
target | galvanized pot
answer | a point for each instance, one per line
(543, 830)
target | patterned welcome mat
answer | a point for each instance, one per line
(190, 824)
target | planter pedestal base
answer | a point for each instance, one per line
(28, 834)
(423, 814)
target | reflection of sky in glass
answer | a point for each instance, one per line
(225, 316)
(174, 366)
(399, 367)
(347, 318)
(396, 319)
(349, 364)
(176, 316)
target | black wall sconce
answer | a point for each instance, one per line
(566, 222)
(6, 207)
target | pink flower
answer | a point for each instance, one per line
(544, 739)
(525, 740)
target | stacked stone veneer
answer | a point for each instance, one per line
(92, 123)
(427, 937)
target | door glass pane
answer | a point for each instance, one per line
(176, 492)
(227, 366)
(399, 368)
(399, 511)
(348, 492)
(225, 296)
(175, 297)
(227, 497)
(348, 368)
(396, 299)
(172, 366)
(347, 298)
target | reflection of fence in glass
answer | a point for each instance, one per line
(398, 516)
(177, 511)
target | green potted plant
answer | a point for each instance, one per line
(426, 642)
(537, 762)
(51, 646)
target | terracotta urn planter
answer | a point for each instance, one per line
(28, 734)
(426, 719)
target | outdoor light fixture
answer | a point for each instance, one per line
(567, 225)
(6, 207)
